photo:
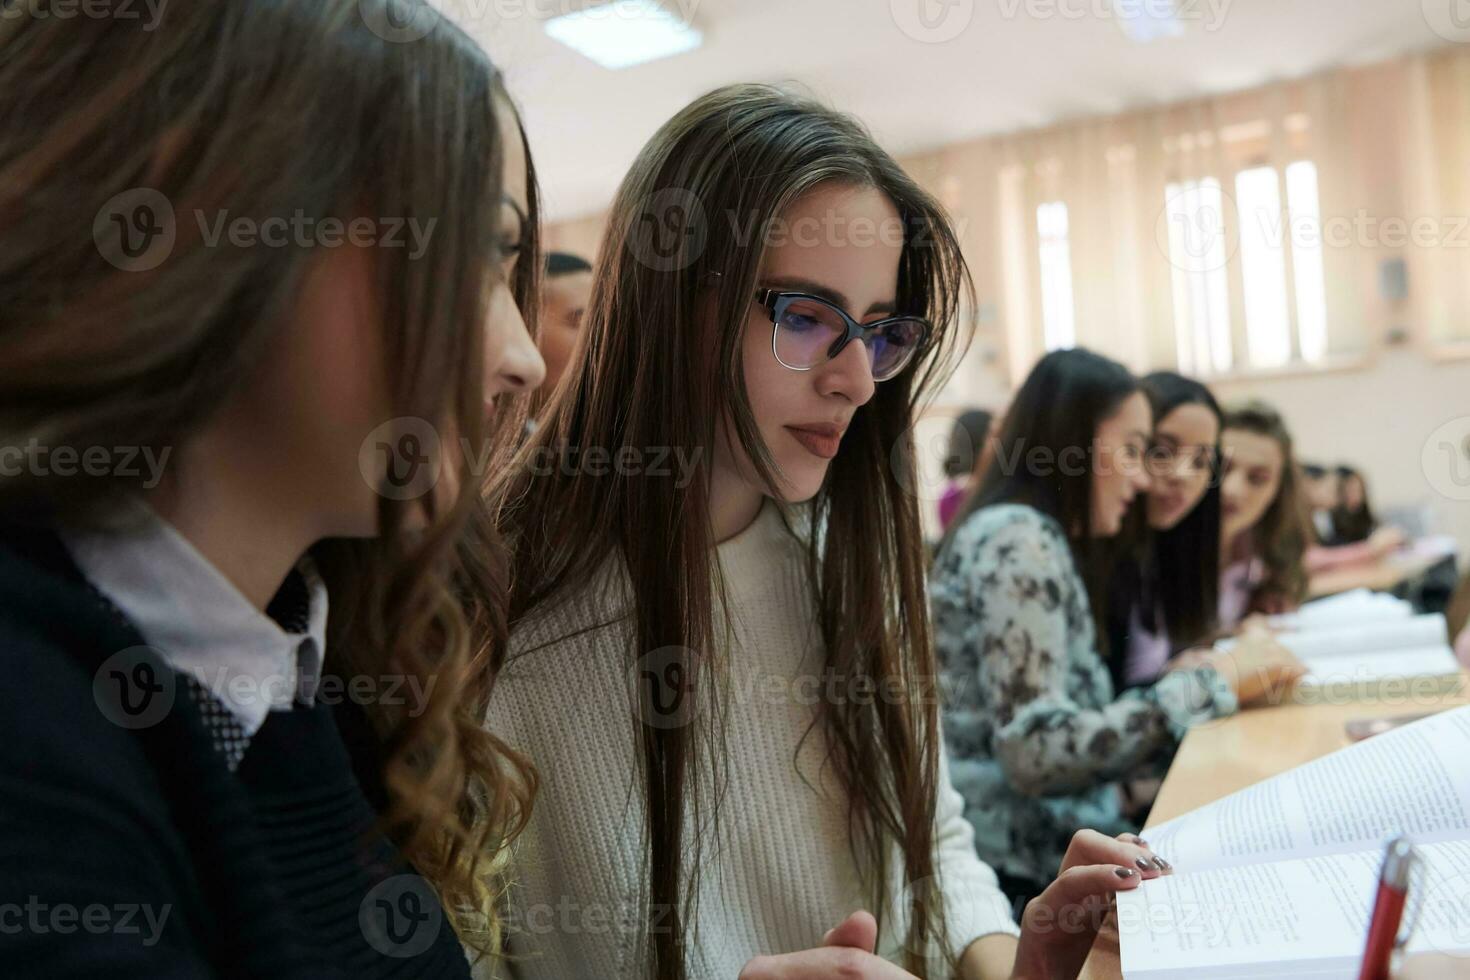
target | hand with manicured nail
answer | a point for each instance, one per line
(1059, 925)
(846, 951)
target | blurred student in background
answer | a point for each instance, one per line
(967, 442)
(1352, 516)
(1343, 532)
(1268, 542)
(1039, 739)
(167, 741)
(1265, 527)
(565, 293)
(1355, 534)
(1320, 489)
(1165, 592)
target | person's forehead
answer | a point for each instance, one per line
(1252, 448)
(840, 236)
(1188, 416)
(570, 287)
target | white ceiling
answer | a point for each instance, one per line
(1018, 64)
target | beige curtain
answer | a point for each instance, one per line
(1113, 175)
(1438, 152)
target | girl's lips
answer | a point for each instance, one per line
(823, 441)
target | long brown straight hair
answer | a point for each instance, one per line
(660, 366)
(266, 109)
(1281, 536)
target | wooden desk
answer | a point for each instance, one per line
(1383, 575)
(1222, 758)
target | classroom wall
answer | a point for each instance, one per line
(1378, 419)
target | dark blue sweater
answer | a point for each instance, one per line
(135, 852)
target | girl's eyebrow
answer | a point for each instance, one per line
(827, 293)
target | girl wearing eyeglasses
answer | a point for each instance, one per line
(1164, 597)
(727, 680)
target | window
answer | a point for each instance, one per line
(1270, 238)
(1059, 327)
(1282, 297)
(1196, 222)
(1263, 267)
(1306, 259)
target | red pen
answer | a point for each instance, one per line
(1388, 909)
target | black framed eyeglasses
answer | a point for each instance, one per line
(809, 331)
(1163, 459)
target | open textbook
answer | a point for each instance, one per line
(1278, 880)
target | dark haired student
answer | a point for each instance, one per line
(965, 459)
(1039, 740)
(1352, 514)
(1164, 596)
(1320, 490)
(178, 799)
(1357, 535)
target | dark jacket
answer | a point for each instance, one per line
(128, 848)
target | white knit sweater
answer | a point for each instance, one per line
(777, 871)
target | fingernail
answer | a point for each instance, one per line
(827, 935)
(1142, 864)
(1124, 872)
(1166, 864)
(1159, 863)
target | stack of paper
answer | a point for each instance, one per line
(1361, 652)
(1345, 609)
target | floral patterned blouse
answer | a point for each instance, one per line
(1038, 742)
